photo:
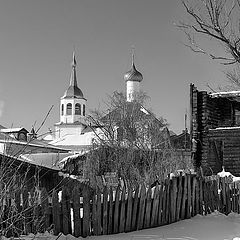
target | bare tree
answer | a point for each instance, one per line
(134, 142)
(217, 20)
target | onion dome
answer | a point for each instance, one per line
(133, 74)
(73, 90)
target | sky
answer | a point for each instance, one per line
(37, 39)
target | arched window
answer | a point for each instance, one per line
(83, 109)
(69, 109)
(62, 109)
(78, 109)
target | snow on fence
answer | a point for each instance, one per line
(82, 212)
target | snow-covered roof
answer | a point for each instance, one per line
(49, 160)
(225, 94)
(12, 130)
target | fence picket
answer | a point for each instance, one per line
(66, 211)
(154, 215)
(116, 211)
(56, 213)
(147, 218)
(179, 197)
(76, 212)
(193, 196)
(141, 207)
(135, 209)
(94, 214)
(122, 211)
(105, 211)
(161, 205)
(99, 214)
(86, 212)
(129, 210)
(110, 217)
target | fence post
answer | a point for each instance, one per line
(116, 211)
(122, 211)
(141, 207)
(147, 218)
(129, 210)
(105, 211)
(154, 215)
(56, 212)
(135, 209)
(110, 218)
(179, 197)
(76, 211)
(86, 212)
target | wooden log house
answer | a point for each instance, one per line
(215, 130)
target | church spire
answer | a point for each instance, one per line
(73, 90)
(73, 78)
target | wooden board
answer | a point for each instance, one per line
(105, 211)
(154, 215)
(86, 212)
(129, 210)
(141, 207)
(122, 211)
(110, 216)
(76, 212)
(147, 218)
(116, 211)
(135, 209)
(56, 213)
(66, 211)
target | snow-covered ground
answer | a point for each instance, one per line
(215, 226)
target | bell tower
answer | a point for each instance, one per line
(73, 103)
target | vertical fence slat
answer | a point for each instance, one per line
(184, 198)
(66, 211)
(179, 197)
(56, 213)
(76, 212)
(105, 211)
(45, 209)
(86, 212)
(129, 210)
(161, 205)
(147, 218)
(154, 215)
(193, 196)
(135, 209)
(116, 211)
(189, 188)
(201, 195)
(141, 207)
(173, 199)
(122, 211)
(94, 214)
(197, 196)
(110, 217)
(99, 214)
(167, 212)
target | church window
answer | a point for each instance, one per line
(78, 109)
(69, 109)
(83, 109)
(62, 109)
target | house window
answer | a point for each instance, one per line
(83, 109)
(62, 109)
(69, 109)
(78, 109)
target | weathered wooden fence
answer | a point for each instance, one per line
(83, 212)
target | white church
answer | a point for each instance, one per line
(72, 132)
